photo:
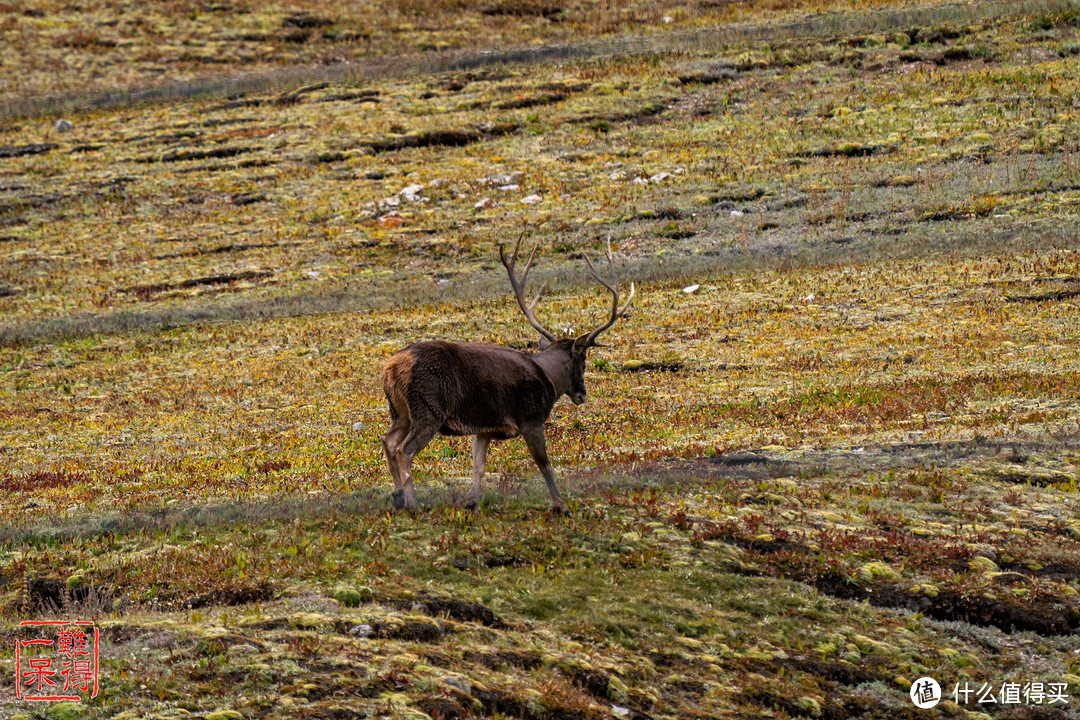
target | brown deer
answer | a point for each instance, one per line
(488, 391)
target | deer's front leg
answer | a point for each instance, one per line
(480, 445)
(534, 438)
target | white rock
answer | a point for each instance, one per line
(531, 200)
(411, 193)
(617, 175)
(313, 273)
(736, 213)
(808, 299)
(659, 177)
(690, 289)
(358, 426)
(484, 204)
(438, 181)
(640, 181)
(64, 126)
(508, 187)
(499, 179)
(620, 711)
(363, 630)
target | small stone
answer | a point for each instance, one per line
(499, 179)
(484, 204)
(457, 683)
(411, 193)
(620, 711)
(358, 426)
(511, 186)
(391, 220)
(64, 126)
(243, 649)
(363, 630)
(659, 177)
(640, 181)
(531, 200)
(736, 213)
(690, 289)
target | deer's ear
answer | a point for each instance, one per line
(544, 343)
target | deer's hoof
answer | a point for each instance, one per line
(471, 503)
(398, 499)
(561, 509)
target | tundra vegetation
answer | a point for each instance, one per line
(831, 448)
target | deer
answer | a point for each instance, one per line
(489, 391)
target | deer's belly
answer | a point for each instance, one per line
(500, 432)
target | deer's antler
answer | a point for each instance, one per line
(519, 285)
(613, 287)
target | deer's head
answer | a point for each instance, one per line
(566, 354)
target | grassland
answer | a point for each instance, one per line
(847, 459)
(64, 49)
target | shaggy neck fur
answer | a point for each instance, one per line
(555, 361)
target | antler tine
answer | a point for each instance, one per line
(518, 284)
(616, 311)
(596, 275)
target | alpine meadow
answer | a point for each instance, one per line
(830, 444)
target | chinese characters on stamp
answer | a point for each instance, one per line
(60, 664)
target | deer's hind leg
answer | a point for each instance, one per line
(391, 442)
(420, 432)
(480, 445)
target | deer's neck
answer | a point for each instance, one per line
(556, 365)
